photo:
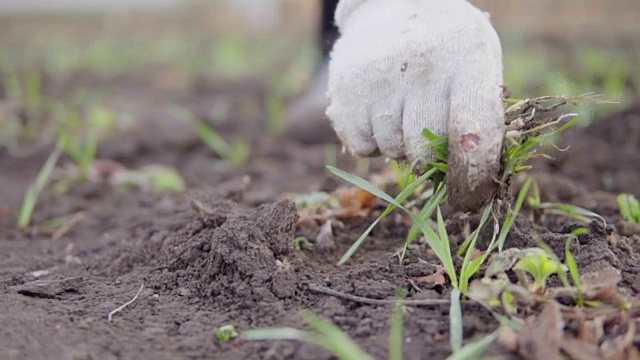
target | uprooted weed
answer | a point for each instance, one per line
(530, 125)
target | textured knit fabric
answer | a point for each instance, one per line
(401, 66)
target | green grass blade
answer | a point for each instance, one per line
(396, 339)
(33, 192)
(332, 338)
(513, 215)
(470, 267)
(440, 244)
(213, 139)
(277, 334)
(357, 181)
(572, 211)
(326, 334)
(572, 264)
(629, 207)
(474, 350)
(356, 245)
(455, 321)
(425, 215)
(635, 210)
(429, 135)
(364, 185)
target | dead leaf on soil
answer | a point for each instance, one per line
(620, 346)
(508, 338)
(591, 331)
(580, 350)
(476, 253)
(438, 278)
(541, 338)
(356, 198)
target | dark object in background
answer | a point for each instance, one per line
(328, 30)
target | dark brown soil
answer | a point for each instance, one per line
(236, 264)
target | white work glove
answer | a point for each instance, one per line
(401, 66)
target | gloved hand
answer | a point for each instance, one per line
(401, 66)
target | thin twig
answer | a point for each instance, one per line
(68, 225)
(121, 307)
(368, 301)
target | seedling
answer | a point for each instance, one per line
(474, 350)
(393, 203)
(80, 138)
(404, 174)
(33, 192)
(566, 210)
(439, 146)
(236, 154)
(396, 339)
(275, 115)
(572, 264)
(512, 214)
(629, 208)
(159, 179)
(226, 333)
(324, 333)
(539, 266)
(302, 243)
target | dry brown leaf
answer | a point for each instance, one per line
(350, 214)
(508, 338)
(580, 350)
(436, 279)
(104, 170)
(356, 198)
(591, 331)
(619, 347)
(307, 222)
(476, 253)
(541, 338)
(633, 353)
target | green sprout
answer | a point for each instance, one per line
(539, 266)
(324, 333)
(396, 339)
(226, 333)
(512, 214)
(236, 154)
(33, 192)
(393, 203)
(566, 210)
(163, 179)
(629, 208)
(80, 138)
(404, 174)
(302, 243)
(572, 264)
(474, 350)
(439, 146)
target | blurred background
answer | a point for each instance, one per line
(159, 76)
